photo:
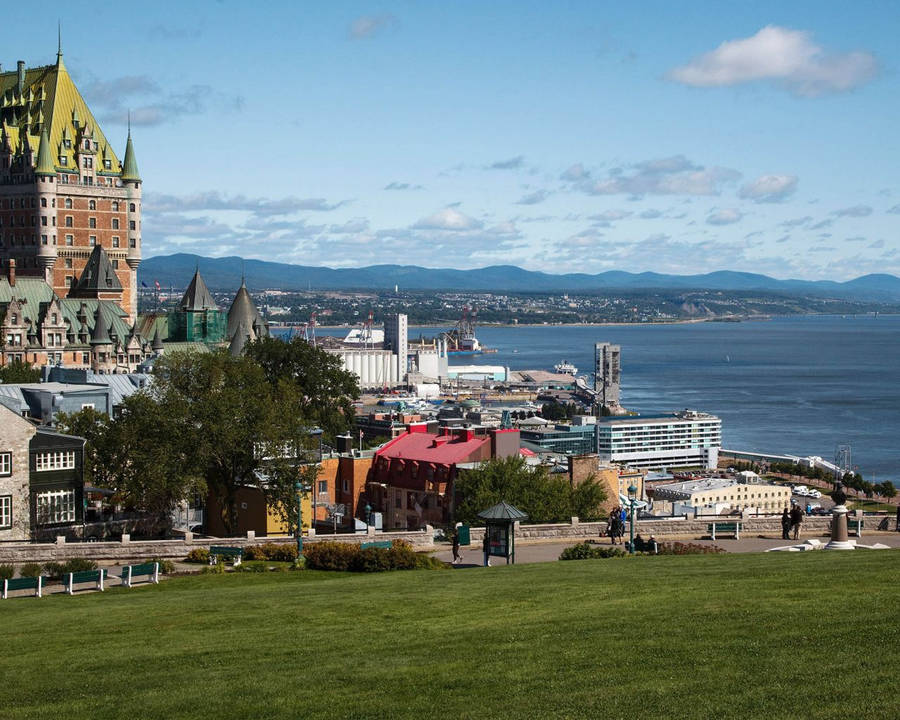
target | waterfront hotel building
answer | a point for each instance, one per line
(684, 439)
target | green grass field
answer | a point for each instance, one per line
(730, 636)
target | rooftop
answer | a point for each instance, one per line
(425, 447)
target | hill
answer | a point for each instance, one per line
(225, 274)
(709, 636)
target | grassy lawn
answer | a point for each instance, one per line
(742, 636)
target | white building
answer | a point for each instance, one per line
(683, 439)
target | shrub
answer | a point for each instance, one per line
(276, 552)
(252, 566)
(166, 567)
(6, 572)
(198, 555)
(78, 565)
(217, 569)
(30, 570)
(427, 562)
(372, 559)
(584, 551)
(680, 548)
(330, 555)
(54, 570)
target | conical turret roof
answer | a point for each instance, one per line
(129, 163)
(238, 340)
(98, 276)
(197, 296)
(45, 164)
(100, 333)
(157, 341)
(243, 312)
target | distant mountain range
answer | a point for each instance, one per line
(225, 274)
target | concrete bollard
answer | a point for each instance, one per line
(126, 538)
(370, 530)
(188, 536)
(251, 534)
(573, 521)
(311, 532)
(60, 539)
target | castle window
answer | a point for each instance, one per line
(43, 202)
(69, 221)
(115, 265)
(68, 203)
(63, 160)
(87, 144)
(92, 222)
(43, 239)
(68, 263)
(92, 205)
(133, 225)
(70, 240)
(107, 164)
(70, 281)
(115, 241)
(67, 143)
(131, 207)
(6, 463)
(44, 220)
(115, 206)
(64, 179)
(92, 240)
(132, 243)
(115, 223)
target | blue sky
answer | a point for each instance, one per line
(581, 136)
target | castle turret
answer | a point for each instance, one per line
(45, 174)
(131, 180)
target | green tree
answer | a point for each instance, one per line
(545, 497)
(18, 371)
(241, 428)
(100, 451)
(323, 390)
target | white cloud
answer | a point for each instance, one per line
(769, 188)
(513, 163)
(368, 26)
(725, 216)
(895, 210)
(533, 198)
(403, 186)
(575, 173)
(854, 211)
(651, 214)
(675, 175)
(787, 57)
(448, 219)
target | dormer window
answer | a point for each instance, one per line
(15, 318)
(63, 160)
(67, 143)
(107, 164)
(87, 144)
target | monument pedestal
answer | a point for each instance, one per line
(840, 538)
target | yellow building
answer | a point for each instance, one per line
(718, 494)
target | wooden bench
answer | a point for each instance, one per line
(225, 552)
(85, 576)
(148, 570)
(731, 528)
(23, 583)
(386, 544)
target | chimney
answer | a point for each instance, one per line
(20, 78)
(12, 272)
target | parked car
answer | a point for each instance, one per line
(814, 493)
(801, 490)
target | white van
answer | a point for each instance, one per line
(800, 490)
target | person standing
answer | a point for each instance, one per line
(785, 525)
(612, 525)
(623, 518)
(796, 520)
(456, 558)
(486, 546)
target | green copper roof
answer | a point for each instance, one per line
(502, 511)
(45, 164)
(129, 164)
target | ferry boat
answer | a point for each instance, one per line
(565, 368)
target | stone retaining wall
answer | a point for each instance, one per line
(127, 551)
(813, 526)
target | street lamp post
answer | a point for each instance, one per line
(300, 488)
(632, 499)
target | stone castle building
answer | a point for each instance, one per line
(70, 240)
(65, 195)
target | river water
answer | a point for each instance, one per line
(796, 385)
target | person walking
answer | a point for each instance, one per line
(623, 518)
(456, 558)
(785, 525)
(486, 546)
(796, 520)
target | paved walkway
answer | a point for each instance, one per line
(549, 550)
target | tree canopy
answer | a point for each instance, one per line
(323, 391)
(544, 497)
(18, 371)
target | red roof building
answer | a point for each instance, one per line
(413, 475)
